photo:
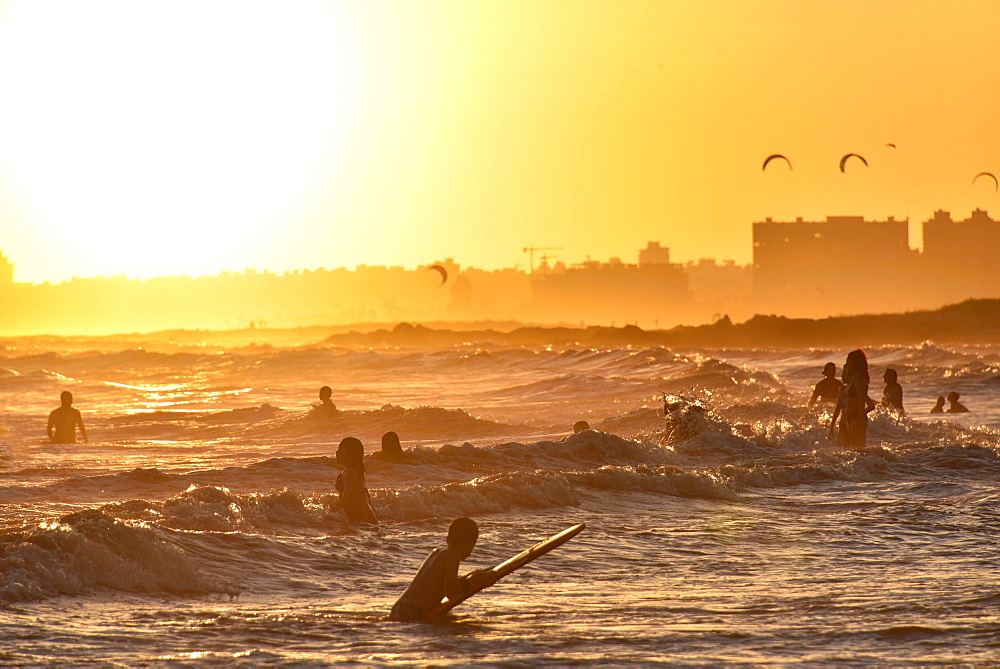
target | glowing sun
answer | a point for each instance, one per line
(170, 137)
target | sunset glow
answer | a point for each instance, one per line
(180, 137)
(322, 134)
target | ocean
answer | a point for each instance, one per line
(200, 524)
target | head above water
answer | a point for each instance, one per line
(463, 533)
(889, 376)
(953, 396)
(351, 453)
(390, 444)
(325, 393)
(830, 369)
(66, 397)
(580, 426)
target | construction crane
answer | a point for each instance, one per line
(530, 250)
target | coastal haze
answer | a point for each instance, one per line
(478, 224)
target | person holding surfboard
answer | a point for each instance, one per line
(438, 576)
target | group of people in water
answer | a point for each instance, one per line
(852, 403)
(438, 576)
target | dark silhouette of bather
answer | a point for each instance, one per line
(939, 407)
(392, 450)
(827, 390)
(954, 406)
(853, 404)
(354, 497)
(326, 408)
(64, 421)
(892, 396)
(580, 426)
(438, 576)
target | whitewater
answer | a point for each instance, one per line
(200, 524)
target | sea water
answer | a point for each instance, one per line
(200, 524)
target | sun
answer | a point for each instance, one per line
(171, 137)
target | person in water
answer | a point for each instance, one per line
(64, 421)
(892, 396)
(326, 407)
(354, 497)
(438, 576)
(854, 404)
(828, 389)
(954, 406)
(580, 425)
(392, 450)
(939, 407)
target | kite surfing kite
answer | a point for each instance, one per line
(442, 270)
(775, 156)
(996, 184)
(851, 155)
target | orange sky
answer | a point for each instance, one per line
(153, 138)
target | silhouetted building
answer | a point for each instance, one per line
(654, 254)
(841, 265)
(960, 257)
(6, 272)
(720, 288)
(655, 293)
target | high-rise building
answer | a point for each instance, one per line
(843, 264)
(960, 257)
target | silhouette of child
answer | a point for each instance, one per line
(438, 576)
(939, 407)
(326, 408)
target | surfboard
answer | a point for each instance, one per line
(513, 564)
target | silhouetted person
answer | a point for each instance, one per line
(827, 390)
(853, 404)
(326, 407)
(954, 406)
(892, 396)
(580, 426)
(392, 450)
(64, 421)
(939, 407)
(354, 497)
(438, 576)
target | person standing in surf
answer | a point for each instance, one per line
(854, 403)
(438, 576)
(828, 389)
(64, 421)
(354, 497)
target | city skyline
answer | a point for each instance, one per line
(801, 268)
(341, 133)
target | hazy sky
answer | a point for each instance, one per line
(177, 137)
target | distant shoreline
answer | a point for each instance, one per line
(971, 322)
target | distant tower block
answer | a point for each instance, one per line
(6, 272)
(654, 254)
